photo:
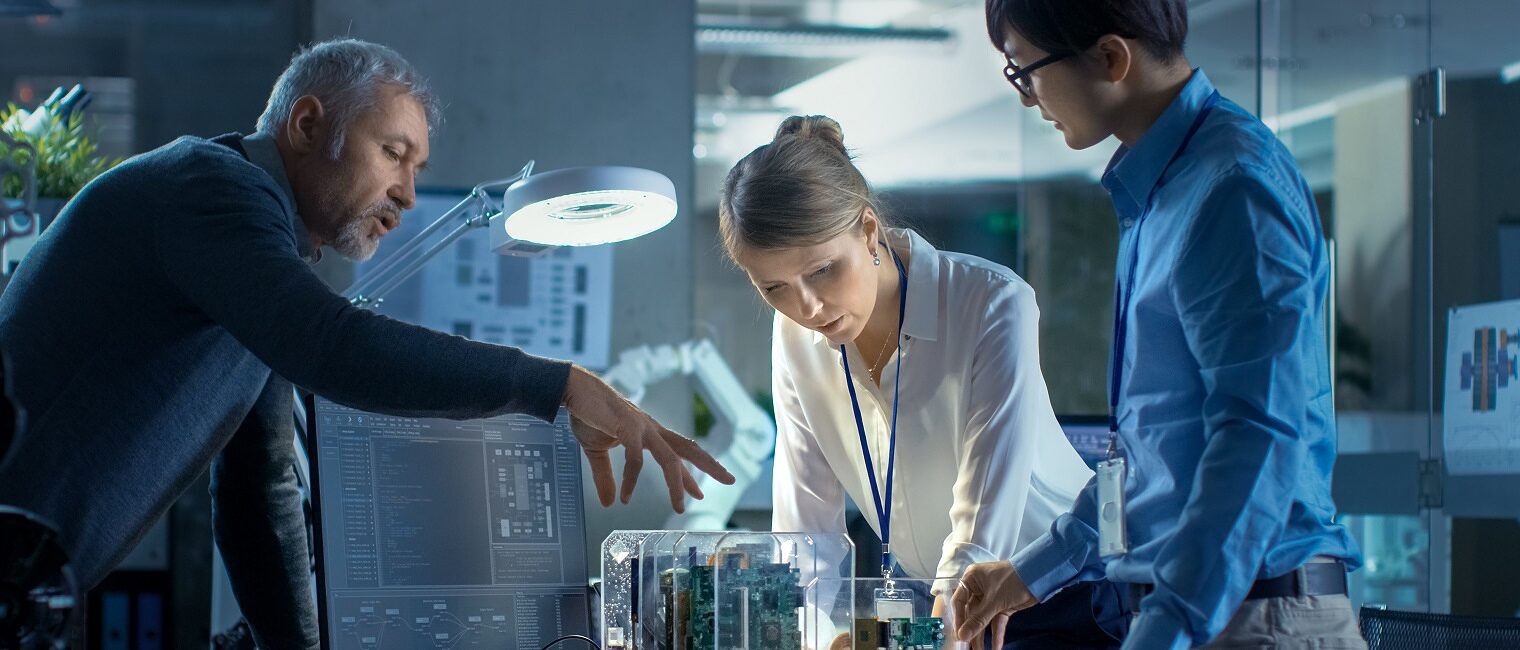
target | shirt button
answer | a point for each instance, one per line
(907, 337)
(1127, 223)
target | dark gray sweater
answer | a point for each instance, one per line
(142, 331)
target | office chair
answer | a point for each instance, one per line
(1387, 629)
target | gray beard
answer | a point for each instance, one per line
(354, 241)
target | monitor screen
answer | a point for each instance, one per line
(1088, 435)
(437, 533)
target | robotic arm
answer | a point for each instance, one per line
(750, 432)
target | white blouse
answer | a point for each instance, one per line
(982, 465)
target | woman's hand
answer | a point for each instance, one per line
(989, 593)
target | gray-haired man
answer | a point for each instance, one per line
(156, 329)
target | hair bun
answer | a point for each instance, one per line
(813, 127)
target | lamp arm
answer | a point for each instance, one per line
(480, 208)
(395, 279)
(483, 190)
(384, 270)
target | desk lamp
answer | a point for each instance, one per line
(578, 206)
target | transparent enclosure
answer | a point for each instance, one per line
(620, 584)
(759, 585)
(879, 614)
(671, 590)
(656, 581)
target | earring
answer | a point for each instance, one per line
(875, 258)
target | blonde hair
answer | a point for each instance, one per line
(800, 190)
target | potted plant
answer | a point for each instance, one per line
(67, 159)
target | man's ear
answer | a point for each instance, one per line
(1116, 55)
(306, 130)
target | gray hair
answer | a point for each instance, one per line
(346, 75)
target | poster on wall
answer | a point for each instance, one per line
(557, 305)
(1482, 396)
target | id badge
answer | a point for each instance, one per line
(1113, 540)
(893, 604)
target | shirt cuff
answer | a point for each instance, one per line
(1044, 566)
(952, 565)
(1154, 629)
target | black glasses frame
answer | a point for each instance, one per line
(1019, 77)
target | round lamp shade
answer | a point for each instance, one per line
(586, 206)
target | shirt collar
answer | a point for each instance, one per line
(1134, 172)
(922, 318)
(263, 153)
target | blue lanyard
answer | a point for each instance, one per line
(883, 507)
(1122, 298)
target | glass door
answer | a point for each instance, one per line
(1342, 85)
(1474, 249)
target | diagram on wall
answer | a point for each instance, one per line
(556, 305)
(1482, 397)
(1488, 367)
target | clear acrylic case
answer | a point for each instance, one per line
(679, 590)
(879, 614)
(760, 582)
(620, 586)
(690, 616)
(655, 599)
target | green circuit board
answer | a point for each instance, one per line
(757, 607)
(922, 633)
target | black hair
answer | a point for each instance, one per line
(1073, 26)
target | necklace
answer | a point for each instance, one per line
(877, 367)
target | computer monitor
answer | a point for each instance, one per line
(1088, 435)
(435, 533)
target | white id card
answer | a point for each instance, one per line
(1113, 541)
(893, 603)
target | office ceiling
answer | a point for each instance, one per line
(917, 87)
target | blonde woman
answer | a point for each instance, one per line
(905, 377)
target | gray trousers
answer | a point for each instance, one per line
(1300, 623)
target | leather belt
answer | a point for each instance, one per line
(1316, 578)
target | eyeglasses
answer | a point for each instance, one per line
(1019, 77)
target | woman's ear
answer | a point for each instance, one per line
(870, 227)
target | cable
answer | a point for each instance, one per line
(569, 637)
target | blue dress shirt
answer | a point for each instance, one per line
(1225, 412)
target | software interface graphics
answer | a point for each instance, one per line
(446, 534)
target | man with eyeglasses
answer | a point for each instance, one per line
(1213, 506)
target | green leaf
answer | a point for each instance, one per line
(67, 157)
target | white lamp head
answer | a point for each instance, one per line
(582, 206)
